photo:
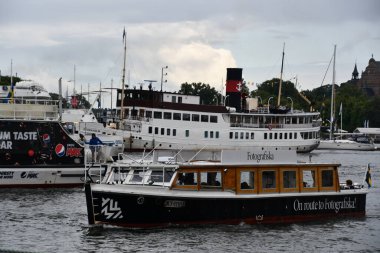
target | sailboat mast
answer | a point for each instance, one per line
(282, 70)
(123, 78)
(332, 113)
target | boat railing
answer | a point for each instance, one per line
(35, 110)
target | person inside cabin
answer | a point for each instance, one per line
(82, 140)
(95, 143)
(349, 184)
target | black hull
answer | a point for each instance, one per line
(138, 210)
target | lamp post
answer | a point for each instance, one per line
(291, 108)
(162, 75)
(269, 99)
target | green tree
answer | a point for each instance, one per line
(208, 94)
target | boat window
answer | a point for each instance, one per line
(270, 136)
(157, 115)
(252, 136)
(167, 115)
(213, 119)
(156, 175)
(204, 118)
(211, 134)
(174, 99)
(269, 179)
(275, 136)
(150, 129)
(148, 114)
(176, 116)
(162, 131)
(156, 130)
(217, 134)
(289, 179)
(294, 120)
(327, 178)
(206, 134)
(285, 136)
(231, 135)
(189, 178)
(295, 135)
(241, 135)
(290, 135)
(195, 117)
(137, 176)
(167, 131)
(174, 132)
(247, 180)
(308, 179)
(265, 136)
(179, 100)
(280, 136)
(236, 135)
(186, 117)
(247, 135)
(187, 133)
(211, 179)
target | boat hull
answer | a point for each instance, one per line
(133, 209)
(338, 145)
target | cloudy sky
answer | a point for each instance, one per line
(196, 39)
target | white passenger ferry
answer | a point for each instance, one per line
(165, 120)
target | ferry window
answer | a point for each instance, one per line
(241, 135)
(231, 135)
(275, 136)
(287, 120)
(301, 120)
(211, 179)
(187, 133)
(148, 114)
(186, 117)
(252, 136)
(289, 178)
(133, 112)
(308, 178)
(265, 136)
(270, 136)
(179, 100)
(204, 118)
(156, 130)
(195, 117)
(327, 178)
(187, 178)
(167, 131)
(247, 180)
(206, 134)
(217, 134)
(213, 119)
(157, 115)
(174, 132)
(294, 120)
(167, 115)
(295, 135)
(247, 135)
(176, 116)
(269, 179)
(211, 134)
(285, 136)
(280, 136)
(162, 131)
(247, 119)
(174, 99)
(290, 135)
(150, 130)
(236, 135)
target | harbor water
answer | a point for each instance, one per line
(55, 220)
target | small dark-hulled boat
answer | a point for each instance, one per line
(231, 187)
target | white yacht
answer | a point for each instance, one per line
(165, 120)
(24, 91)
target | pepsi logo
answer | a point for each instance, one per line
(46, 138)
(60, 150)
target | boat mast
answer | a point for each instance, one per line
(123, 78)
(332, 113)
(282, 69)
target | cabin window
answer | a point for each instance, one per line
(137, 176)
(157, 115)
(167, 131)
(187, 133)
(156, 130)
(241, 135)
(265, 136)
(308, 179)
(174, 99)
(285, 136)
(247, 180)
(167, 115)
(252, 136)
(150, 129)
(270, 136)
(204, 118)
(195, 117)
(294, 120)
(217, 134)
(189, 178)
(179, 100)
(211, 179)
(231, 135)
(162, 131)
(280, 136)
(176, 116)
(186, 117)
(213, 119)
(268, 179)
(156, 176)
(247, 135)
(236, 135)
(289, 179)
(211, 134)
(275, 136)
(148, 114)
(327, 178)
(174, 132)
(295, 135)
(290, 135)
(206, 134)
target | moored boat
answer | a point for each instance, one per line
(233, 186)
